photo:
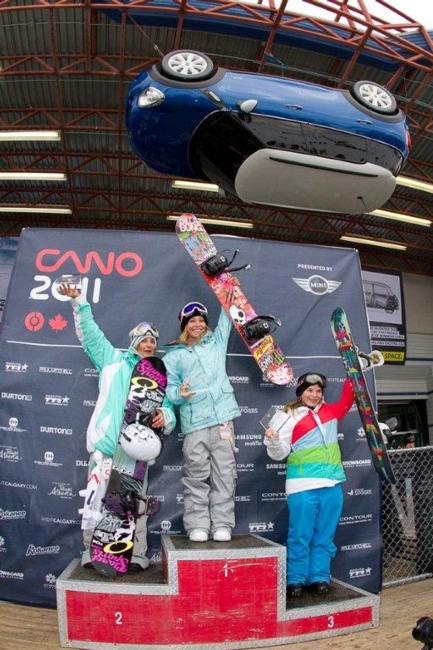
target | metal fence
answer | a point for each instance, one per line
(408, 517)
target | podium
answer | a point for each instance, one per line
(211, 595)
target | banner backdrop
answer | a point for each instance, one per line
(384, 298)
(49, 388)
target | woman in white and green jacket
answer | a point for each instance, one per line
(199, 385)
(115, 370)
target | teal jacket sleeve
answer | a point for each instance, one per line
(174, 378)
(96, 345)
(167, 409)
(223, 328)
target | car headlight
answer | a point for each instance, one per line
(150, 97)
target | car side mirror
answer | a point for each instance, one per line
(247, 106)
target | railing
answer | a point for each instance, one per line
(408, 517)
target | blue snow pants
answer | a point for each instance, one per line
(313, 520)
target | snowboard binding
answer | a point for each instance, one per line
(259, 327)
(371, 360)
(219, 263)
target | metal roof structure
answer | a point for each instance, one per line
(67, 64)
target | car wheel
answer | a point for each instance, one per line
(375, 97)
(187, 65)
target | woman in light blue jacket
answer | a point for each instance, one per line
(199, 385)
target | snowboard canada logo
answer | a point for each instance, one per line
(13, 426)
(14, 366)
(317, 284)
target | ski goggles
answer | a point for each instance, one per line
(313, 378)
(192, 308)
(144, 329)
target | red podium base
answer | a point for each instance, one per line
(213, 595)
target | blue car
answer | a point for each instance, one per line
(268, 140)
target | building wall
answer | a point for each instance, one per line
(415, 379)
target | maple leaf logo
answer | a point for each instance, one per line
(58, 323)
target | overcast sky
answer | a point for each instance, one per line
(419, 10)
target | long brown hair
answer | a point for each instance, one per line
(291, 406)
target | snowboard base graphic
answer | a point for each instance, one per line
(348, 350)
(253, 329)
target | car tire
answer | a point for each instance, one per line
(187, 65)
(375, 97)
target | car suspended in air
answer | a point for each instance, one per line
(268, 140)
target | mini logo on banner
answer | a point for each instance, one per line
(48, 460)
(14, 366)
(360, 573)
(317, 284)
(261, 527)
(62, 490)
(13, 426)
(9, 453)
(42, 550)
(57, 400)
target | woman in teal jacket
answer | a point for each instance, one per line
(115, 370)
(199, 385)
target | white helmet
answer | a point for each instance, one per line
(140, 442)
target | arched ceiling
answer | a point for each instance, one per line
(67, 65)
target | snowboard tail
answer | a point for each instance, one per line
(348, 351)
(254, 330)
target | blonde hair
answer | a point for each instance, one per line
(292, 406)
(183, 337)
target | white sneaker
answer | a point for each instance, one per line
(198, 535)
(222, 534)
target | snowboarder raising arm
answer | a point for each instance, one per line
(199, 385)
(314, 476)
(115, 368)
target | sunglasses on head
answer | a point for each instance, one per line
(192, 307)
